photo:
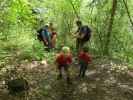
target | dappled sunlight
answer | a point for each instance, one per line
(66, 50)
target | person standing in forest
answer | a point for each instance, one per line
(83, 35)
(51, 25)
(63, 61)
(53, 38)
(84, 59)
(44, 36)
(53, 35)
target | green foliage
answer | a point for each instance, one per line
(19, 24)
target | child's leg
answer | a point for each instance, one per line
(84, 69)
(66, 69)
(81, 69)
(60, 72)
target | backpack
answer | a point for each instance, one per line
(39, 34)
(87, 31)
(17, 85)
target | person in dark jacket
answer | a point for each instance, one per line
(84, 60)
(83, 35)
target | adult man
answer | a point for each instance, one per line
(83, 35)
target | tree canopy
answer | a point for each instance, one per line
(110, 20)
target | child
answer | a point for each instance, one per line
(53, 37)
(63, 60)
(84, 59)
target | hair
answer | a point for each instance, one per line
(78, 22)
(85, 49)
(66, 49)
(50, 24)
(46, 26)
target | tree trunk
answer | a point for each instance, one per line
(128, 13)
(75, 11)
(109, 31)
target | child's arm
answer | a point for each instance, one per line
(69, 59)
(89, 59)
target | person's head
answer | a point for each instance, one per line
(46, 27)
(50, 24)
(78, 23)
(50, 27)
(65, 49)
(53, 29)
(85, 49)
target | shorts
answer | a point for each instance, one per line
(65, 66)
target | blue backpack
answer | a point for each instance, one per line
(43, 33)
(46, 34)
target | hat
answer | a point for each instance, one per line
(66, 49)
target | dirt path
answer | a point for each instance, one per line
(100, 83)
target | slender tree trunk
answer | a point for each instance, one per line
(75, 11)
(109, 31)
(128, 13)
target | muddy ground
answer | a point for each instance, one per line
(105, 80)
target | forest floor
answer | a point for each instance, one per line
(105, 80)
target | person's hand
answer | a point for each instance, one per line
(75, 36)
(46, 43)
(81, 36)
